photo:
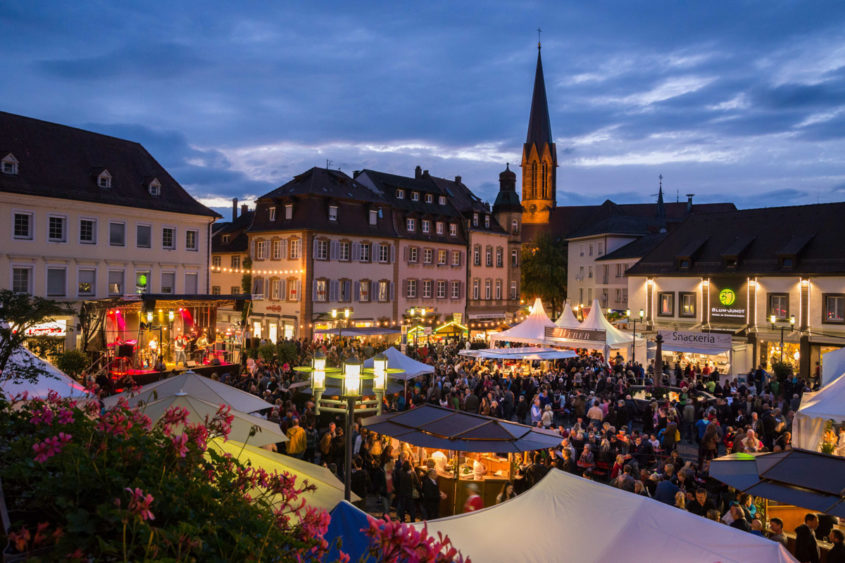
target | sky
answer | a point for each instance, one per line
(732, 101)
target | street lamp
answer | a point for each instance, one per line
(773, 319)
(634, 344)
(347, 312)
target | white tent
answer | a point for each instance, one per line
(52, 379)
(574, 518)
(614, 338)
(828, 403)
(524, 353)
(530, 331)
(833, 365)
(567, 318)
(398, 360)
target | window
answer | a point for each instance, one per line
(275, 289)
(428, 256)
(456, 290)
(488, 256)
(87, 231)
(426, 289)
(86, 282)
(333, 213)
(415, 196)
(261, 249)
(400, 194)
(440, 227)
(22, 280)
(475, 219)
(441, 200)
(383, 291)
(514, 226)
(191, 240)
(686, 301)
(500, 257)
(601, 249)
(429, 198)
(411, 224)
(142, 282)
(413, 255)
(154, 187)
(441, 257)
(486, 221)
(10, 165)
(276, 249)
(344, 250)
(168, 237)
(22, 226)
(453, 229)
(498, 289)
(666, 304)
(488, 290)
(293, 289)
(258, 288)
(834, 308)
(514, 291)
(117, 234)
(234, 290)
(476, 289)
(168, 282)
(143, 236)
(412, 289)
(620, 270)
(294, 249)
(590, 272)
(476, 255)
(215, 290)
(272, 213)
(56, 229)
(288, 211)
(321, 290)
(322, 250)
(441, 289)
(383, 253)
(779, 306)
(365, 252)
(227, 239)
(116, 282)
(426, 226)
(514, 258)
(373, 217)
(191, 280)
(236, 262)
(364, 291)
(456, 258)
(104, 179)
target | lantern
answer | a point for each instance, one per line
(379, 372)
(170, 316)
(318, 372)
(352, 378)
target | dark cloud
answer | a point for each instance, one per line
(150, 61)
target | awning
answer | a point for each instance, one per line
(696, 342)
(430, 426)
(358, 331)
(810, 480)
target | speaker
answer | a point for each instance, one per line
(125, 350)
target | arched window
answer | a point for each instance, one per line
(544, 191)
(533, 180)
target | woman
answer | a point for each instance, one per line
(709, 443)
(546, 419)
(506, 493)
(670, 437)
(587, 460)
(681, 500)
(617, 467)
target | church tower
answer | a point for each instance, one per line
(539, 156)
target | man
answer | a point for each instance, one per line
(326, 443)
(179, 349)
(297, 440)
(701, 504)
(751, 442)
(471, 402)
(595, 414)
(738, 520)
(665, 491)
(806, 547)
(837, 552)
(431, 495)
(202, 347)
(536, 412)
(776, 526)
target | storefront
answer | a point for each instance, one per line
(701, 349)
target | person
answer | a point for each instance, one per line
(202, 346)
(700, 504)
(179, 349)
(776, 526)
(681, 500)
(536, 413)
(297, 440)
(666, 491)
(474, 501)
(431, 495)
(837, 552)
(757, 528)
(506, 493)
(738, 520)
(408, 483)
(360, 482)
(806, 546)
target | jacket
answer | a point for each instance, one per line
(806, 548)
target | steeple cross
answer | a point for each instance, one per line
(539, 31)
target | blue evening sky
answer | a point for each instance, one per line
(733, 101)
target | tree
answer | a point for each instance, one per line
(246, 287)
(18, 313)
(544, 272)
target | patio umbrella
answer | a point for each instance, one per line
(199, 411)
(329, 489)
(197, 386)
(807, 479)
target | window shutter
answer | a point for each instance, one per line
(356, 251)
(460, 258)
(356, 292)
(335, 246)
(298, 289)
(392, 297)
(284, 248)
(392, 254)
(405, 254)
(314, 252)
(282, 295)
(405, 288)
(314, 290)
(460, 290)
(334, 290)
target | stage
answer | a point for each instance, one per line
(145, 376)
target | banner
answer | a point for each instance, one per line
(728, 300)
(576, 334)
(695, 342)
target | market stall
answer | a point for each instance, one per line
(530, 331)
(463, 448)
(819, 414)
(698, 348)
(595, 333)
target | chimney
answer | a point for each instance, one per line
(234, 208)
(244, 209)
(689, 203)
(457, 179)
(425, 173)
(418, 171)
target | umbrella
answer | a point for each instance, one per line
(807, 479)
(49, 378)
(199, 411)
(430, 426)
(197, 386)
(329, 489)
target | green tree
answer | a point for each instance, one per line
(18, 313)
(246, 287)
(72, 362)
(544, 272)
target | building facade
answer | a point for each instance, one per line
(229, 257)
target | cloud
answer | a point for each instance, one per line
(152, 61)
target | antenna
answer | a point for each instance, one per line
(328, 163)
(677, 196)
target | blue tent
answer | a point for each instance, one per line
(346, 524)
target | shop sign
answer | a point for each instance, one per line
(276, 308)
(728, 300)
(51, 328)
(578, 334)
(704, 342)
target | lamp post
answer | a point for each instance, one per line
(773, 319)
(347, 312)
(634, 344)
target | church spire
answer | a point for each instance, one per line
(661, 208)
(539, 125)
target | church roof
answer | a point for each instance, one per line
(539, 124)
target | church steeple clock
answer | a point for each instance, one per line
(539, 156)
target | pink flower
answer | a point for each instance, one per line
(65, 416)
(180, 444)
(139, 504)
(221, 423)
(50, 447)
(44, 415)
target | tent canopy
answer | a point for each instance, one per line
(563, 510)
(430, 426)
(524, 353)
(833, 365)
(346, 523)
(807, 479)
(398, 360)
(530, 331)
(567, 318)
(51, 378)
(828, 403)
(596, 320)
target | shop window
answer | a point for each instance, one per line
(779, 306)
(834, 308)
(666, 304)
(686, 301)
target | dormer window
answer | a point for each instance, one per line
(441, 200)
(411, 224)
(684, 263)
(226, 239)
(475, 219)
(373, 216)
(333, 213)
(415, 196)
(154, 187)
(453, 229)
(288, 211)
(9, 165)
(400, 194)
(272, 213)
(486, 221)
(429, 198)
(104, 179)
(426, 226)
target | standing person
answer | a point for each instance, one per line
(405, 502)
(179, 349)
(297, 440)
(837, 552)
(431, 496)
(474, 501)
(806, 547)
(312, 438)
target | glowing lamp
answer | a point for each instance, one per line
(642, 313)
(609, 310)
(334, 313)
(352, 378)
(627, 312)
(318, 372)
(149, 316)
(379, 372)
(773, 319)
(792, 320)
(347, 312)
(170, 316)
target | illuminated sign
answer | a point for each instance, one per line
(728, 300)
(51, 328)
(577, 334)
